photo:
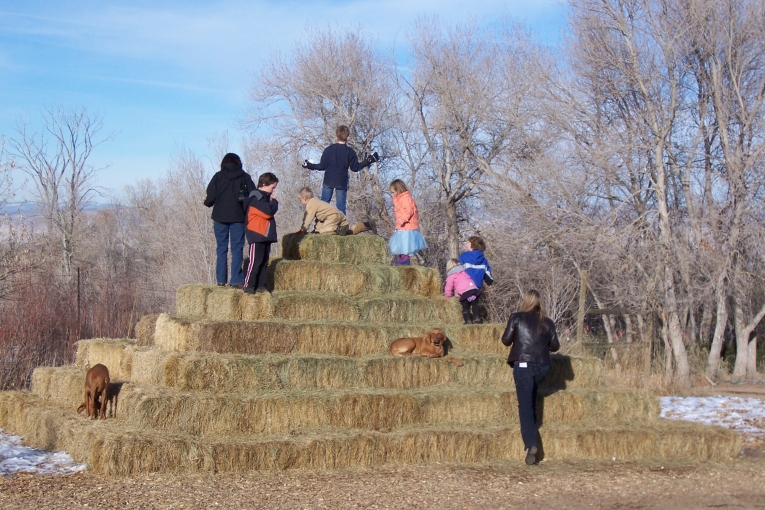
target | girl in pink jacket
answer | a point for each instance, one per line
(459, 283)
(406, 240)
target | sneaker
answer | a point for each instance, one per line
(531, 456)
(372, 225)
(221, 285)
(249, 290)
(237, 285)
(477, 320)
(261, 290)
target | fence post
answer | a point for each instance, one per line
(580, 315)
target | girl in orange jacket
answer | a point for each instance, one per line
(406, 240)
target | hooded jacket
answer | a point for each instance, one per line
(261, 225)
(458, 282)
(530, 340)
(477, 267)
(223, 193)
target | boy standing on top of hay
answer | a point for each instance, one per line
(329, 219)
(335, 161)
(261, 206)
(477, 267)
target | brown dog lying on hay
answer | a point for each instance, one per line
(430, 346)
(96, 383)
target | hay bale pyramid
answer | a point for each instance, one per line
(301, 378)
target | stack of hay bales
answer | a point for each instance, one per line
(301, 378)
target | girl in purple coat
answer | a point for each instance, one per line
(459, 283)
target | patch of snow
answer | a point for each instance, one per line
(744, 415)
(17, 458)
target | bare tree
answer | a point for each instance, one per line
(331, 79)
(56, 158)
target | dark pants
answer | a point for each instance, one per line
(470, 306)
(527, 380)
(258, 265)
(224, 232)
(342, 194)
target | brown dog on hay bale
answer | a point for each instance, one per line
(96, 383)
(430, 345)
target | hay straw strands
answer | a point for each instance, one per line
(236, 372)
(320, 306)
(63, 386)
(309, 275)
(399, 307)
(113, 449)
(144, 330)
(115, 353)
(362, 249)
(191, 300)
(212, 414)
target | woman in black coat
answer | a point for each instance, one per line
(532, 337)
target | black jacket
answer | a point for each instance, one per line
(530, 340)
(223, 193)
(335, 161)
(262, 201)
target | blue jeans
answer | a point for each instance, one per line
(527, 380)
(342, 194)
(224, 232)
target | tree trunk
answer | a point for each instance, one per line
(742, 343)
(452, 230)
(713, 362)
(751, 365)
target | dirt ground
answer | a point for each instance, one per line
(735, 484)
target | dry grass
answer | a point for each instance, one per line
(191, 300)
(357, 250)
(314, 306)
(309, 275)
(213, 414)
(223, 304)
(116, 354)
(398, 308)
(113, 449)
(61, 385)
(144, 330)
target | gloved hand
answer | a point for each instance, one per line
(372, 158)
(305, 163)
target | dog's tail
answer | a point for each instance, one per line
(455, 361)
(81, 408)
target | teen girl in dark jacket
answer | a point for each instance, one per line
(532, 337)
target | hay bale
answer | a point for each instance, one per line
(314, 306)
(310, 275)
(481, 337)
(244, 337)
(63, 386)
(223, 304)
(192, 299)
(317, 276)
(113, 449)
(400, 307)
(256, 306)
(340, 339)
(173, 333)
(115, 353)
(144, 330)
(327, 248)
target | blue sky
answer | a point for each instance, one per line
(173, 74)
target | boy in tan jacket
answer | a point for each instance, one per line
(329, 219)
